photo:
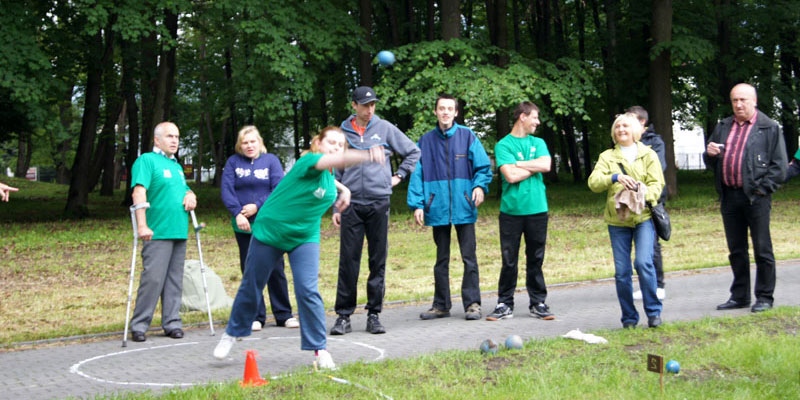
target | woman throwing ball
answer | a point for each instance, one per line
(289, 222)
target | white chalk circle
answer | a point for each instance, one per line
(191, 363)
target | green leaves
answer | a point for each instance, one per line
(466, 70)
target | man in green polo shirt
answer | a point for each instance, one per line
(522, 159)
(157, 178)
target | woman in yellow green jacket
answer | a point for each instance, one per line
(631, 176)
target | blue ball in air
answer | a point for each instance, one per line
(386, 58)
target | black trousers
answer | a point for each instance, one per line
(512, 229)
(357, 222)
(738, 216)
(470, 282)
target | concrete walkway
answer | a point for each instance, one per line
(85, 370)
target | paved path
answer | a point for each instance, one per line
(103, 367)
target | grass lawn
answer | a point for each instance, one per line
(63, 278)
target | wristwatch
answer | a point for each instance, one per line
(399, 175)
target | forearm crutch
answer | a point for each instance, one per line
(133, 209)
(197, 228)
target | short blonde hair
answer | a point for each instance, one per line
(247, 129)
(634, 125)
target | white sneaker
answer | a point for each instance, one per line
(292, 323)
(661, 293)
(256, 326)
(324, 360)
(224, 346)
(637, 295)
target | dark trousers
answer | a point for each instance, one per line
(739, 215)
(357, 222)
(512, 229)
(470, 282)
(277, 286)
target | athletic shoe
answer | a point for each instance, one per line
(256, 326)
(502, 311)
(324, 360)
(224, 346)
(660, 293)
(291, 323)
(374, 325)
(341, 326)
(542, 311)
(434, 313)
(473, 312)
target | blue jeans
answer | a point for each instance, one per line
(622, 239)
(263, 261)
(277, 286)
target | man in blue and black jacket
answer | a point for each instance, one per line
(446, 188)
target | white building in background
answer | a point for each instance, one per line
(689, 147)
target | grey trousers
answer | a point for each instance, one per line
(162, 277)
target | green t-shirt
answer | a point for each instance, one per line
(526, 197)
(166, 187)
(292, 214)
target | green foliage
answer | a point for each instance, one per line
(465, 69)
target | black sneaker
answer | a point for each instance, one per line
(342, 325)
(374, 325)
(542, 311)
(502, 311)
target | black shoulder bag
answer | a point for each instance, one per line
(659, 216)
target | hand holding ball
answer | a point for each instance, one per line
(386, 58)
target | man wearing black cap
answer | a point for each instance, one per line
(368, 215)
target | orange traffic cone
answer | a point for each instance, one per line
(251, 375)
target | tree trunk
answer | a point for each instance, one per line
(451, 19)
(171, 23)
(148, 68)
(365, 55)
(78, 194)
(61, 147)
(24, 152)
(132, 112)
(661, 89)
(789, 65)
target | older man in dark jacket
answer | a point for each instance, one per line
(748, 155)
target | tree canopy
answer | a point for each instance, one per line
(84, 82)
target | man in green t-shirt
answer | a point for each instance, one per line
(157, 178)
(521, 159)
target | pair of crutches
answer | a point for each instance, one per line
(197, 228)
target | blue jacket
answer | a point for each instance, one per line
(452, 164)
(248, 181)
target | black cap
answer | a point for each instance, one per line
(364, 95)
